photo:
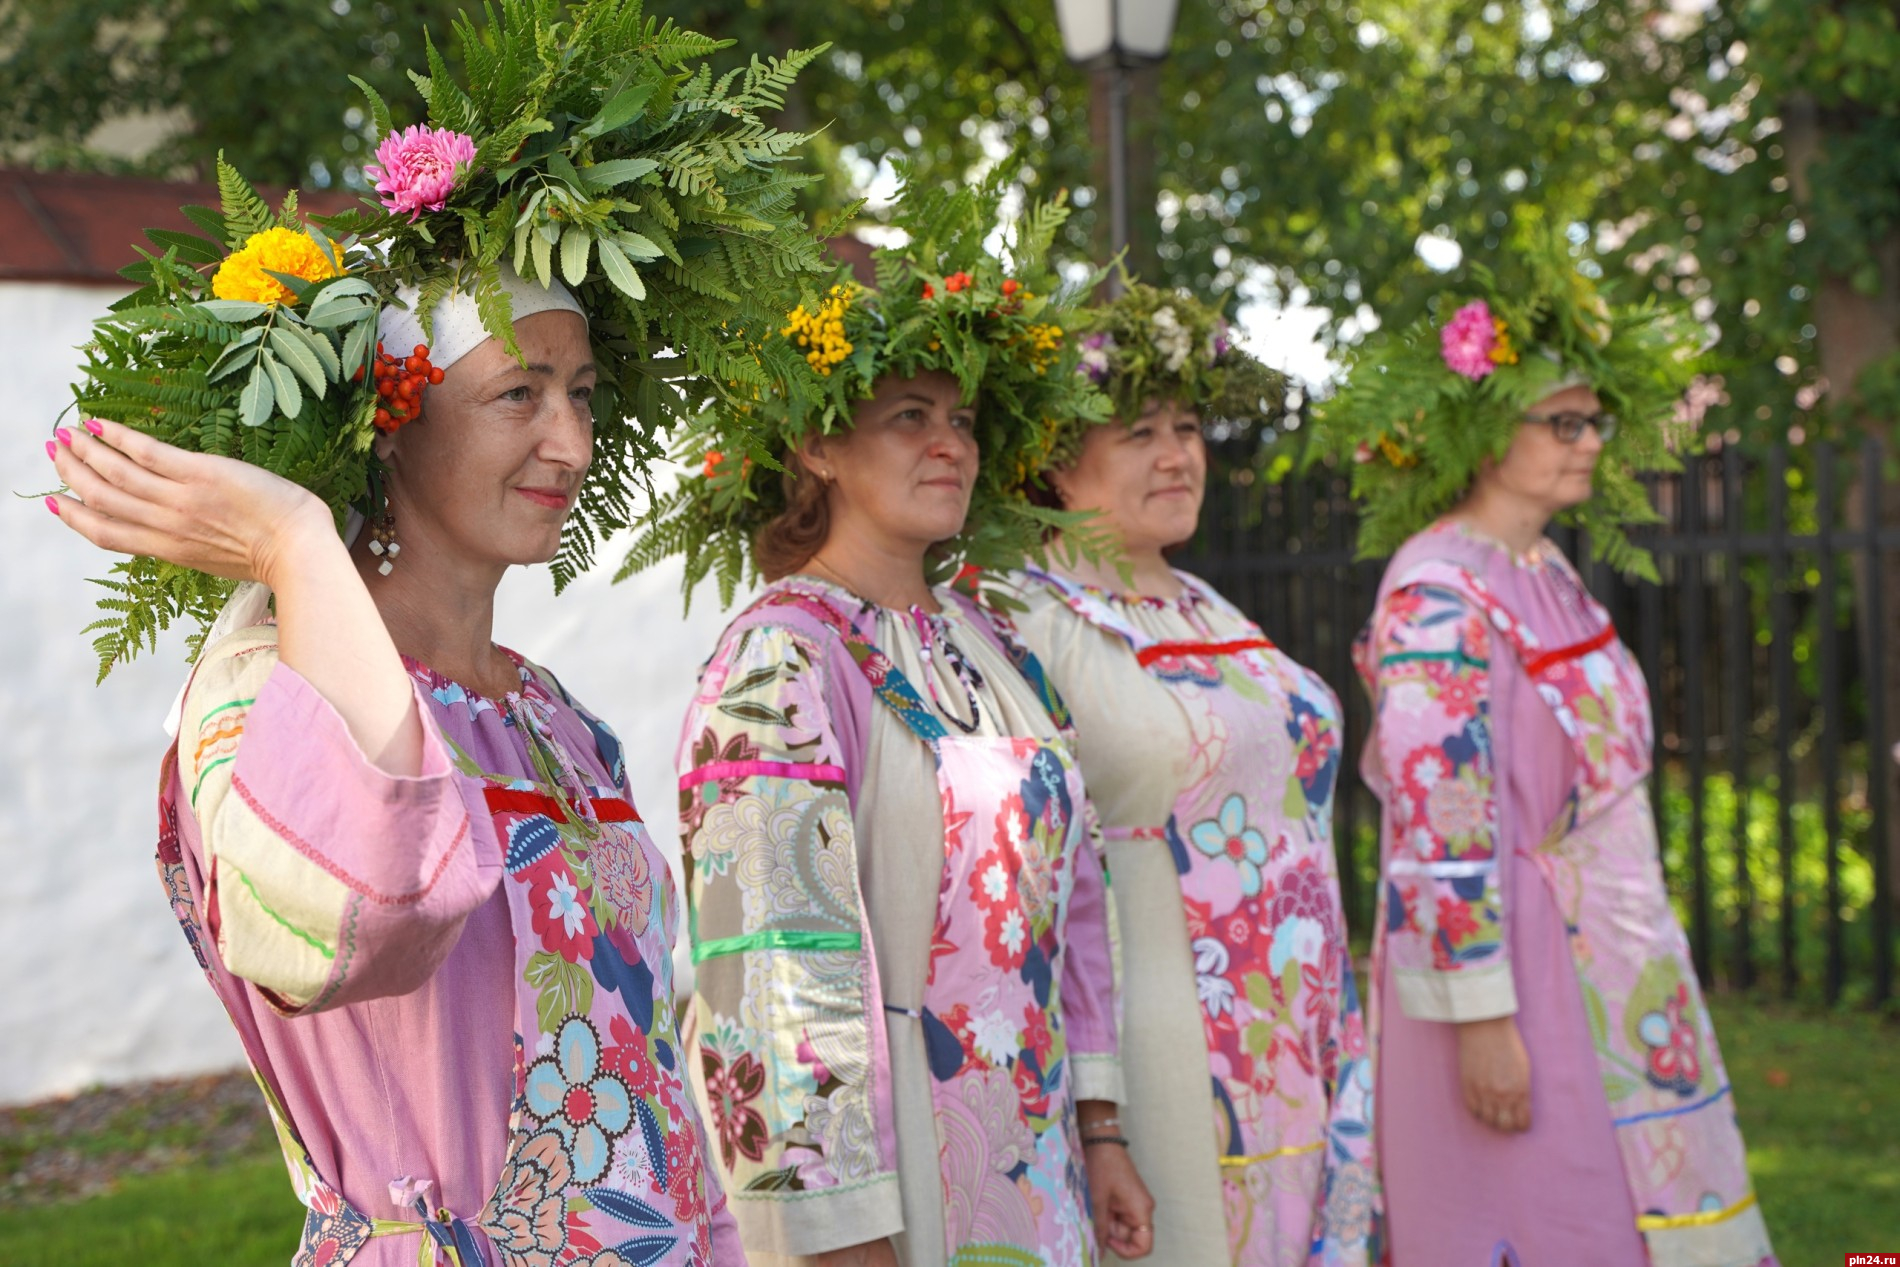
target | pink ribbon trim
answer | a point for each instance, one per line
(766, 769)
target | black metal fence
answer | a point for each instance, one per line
(1773, 782)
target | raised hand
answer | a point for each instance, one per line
(132, 494)
(136, 495)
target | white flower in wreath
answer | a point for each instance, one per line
(1171, 339)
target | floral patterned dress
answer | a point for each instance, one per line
(455, 989)
(899, 929)
(1213, 757)
(1521, 877)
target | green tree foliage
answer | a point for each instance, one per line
(266, 82)
(1741, 153)
(1308, 145)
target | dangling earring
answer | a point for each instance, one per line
(382, 542)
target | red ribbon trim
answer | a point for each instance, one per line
(1160, 650)
(1572, 652)
(508, 800)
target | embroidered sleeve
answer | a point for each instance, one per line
(1091, 992)
(327, 880)
(1445, 929)
(785, 1007)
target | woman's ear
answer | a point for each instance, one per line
(816, 454)
(384, 447)
(1062, 483)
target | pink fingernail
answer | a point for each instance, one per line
(50, 450)
(65, 436)
(52, 504)
(95, 426)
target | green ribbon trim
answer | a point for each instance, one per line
(289, 927)
(199, 785)
(225, 708)
(1404, 657)
(776, 939)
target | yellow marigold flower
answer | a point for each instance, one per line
(1502, 353)
(246, 273)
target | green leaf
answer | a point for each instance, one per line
(638, 245)
(522, 232)
(379, 121)
(212, 222)
(325, 245)
(357, 345)
(543, 260)
(604, 176)
(244, 212)
(232, 310)
(562, 170)
(291, 350)
(257, 399)
(619, 272)
(326, 353)
(289, 395)
(338, 315)
(250, 336)
(226, 367)
(575, 244)
(617, 113)
(338, 293)
(564, 989)
(188, 245)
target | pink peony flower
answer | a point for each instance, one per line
(1467, 341)
(417, 169)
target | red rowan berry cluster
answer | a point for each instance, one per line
(399, 384)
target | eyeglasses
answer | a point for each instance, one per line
(1569, 425)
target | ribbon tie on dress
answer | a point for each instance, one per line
(448, 1241)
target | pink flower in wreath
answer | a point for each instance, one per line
(1468, 340)
(418, 168)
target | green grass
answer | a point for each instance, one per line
(238, 1215)
(1819, 1099)
(1818, 1094)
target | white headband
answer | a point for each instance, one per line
(457, 321)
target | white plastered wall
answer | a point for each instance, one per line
(96, 983)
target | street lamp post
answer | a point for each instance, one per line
(1109, 38)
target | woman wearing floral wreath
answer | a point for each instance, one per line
(904, 1011)
(1212, 756)
(406, 859)
(1549, 1087)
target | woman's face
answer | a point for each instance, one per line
(903, 474)
(490, 469)
(1147, 479)
(1541, 469)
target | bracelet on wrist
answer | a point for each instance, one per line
(1102, 1124)
(1120, 1141)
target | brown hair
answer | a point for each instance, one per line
(790, 538)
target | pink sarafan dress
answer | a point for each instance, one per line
(1211, 757)
(1520, 877)
(455, 989)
